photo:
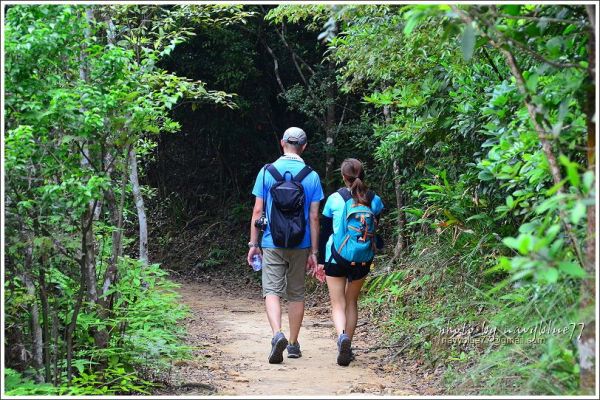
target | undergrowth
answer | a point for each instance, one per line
(146, 338)
(437, 306)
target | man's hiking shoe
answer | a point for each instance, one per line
(278, 344)
(344, 350)
(293, 350)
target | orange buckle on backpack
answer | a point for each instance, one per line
(353, 263)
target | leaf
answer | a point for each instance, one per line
(572, 172)
(510, 202)
(556, 187)
(485, 175)
(524, 244)
(410, 26)
(511, 9)
(570, 28)
(552, 232)
(572, 269)
(468, 42)
(67, 138)
(511, 242)
(532, 82)
(588, 180)
(563, 110)
(578, 212)
(550, 275)
(542, 24)
(556, 246)
(554, 46)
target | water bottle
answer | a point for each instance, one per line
(256, 262)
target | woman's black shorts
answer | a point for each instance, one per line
(353, 273)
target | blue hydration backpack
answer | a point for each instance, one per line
(354, 242)
(287, 220)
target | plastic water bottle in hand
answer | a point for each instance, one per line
(256, 262)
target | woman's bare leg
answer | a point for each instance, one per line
(351, 297)
(337, 296)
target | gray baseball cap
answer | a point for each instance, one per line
(294, 135)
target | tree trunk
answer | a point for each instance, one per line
(36, 329)
(330, 134)
(55, 354)
(45, 319)
(71, 328)
(116, 219)
(330, 128)
(139, 205)
(88, 251)
(88, 247)
(586, 344)
(88, 240)
(116, 213)
(88, 267)
(401, 219)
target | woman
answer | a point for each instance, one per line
(344, 277)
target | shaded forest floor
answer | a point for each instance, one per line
(230, 335)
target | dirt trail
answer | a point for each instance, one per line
(232, 333)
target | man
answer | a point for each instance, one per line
(289, 243)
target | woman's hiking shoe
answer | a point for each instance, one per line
(278, 344)
(293, 350)
(344, 350)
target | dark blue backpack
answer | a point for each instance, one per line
(287, 221)
(354, 242)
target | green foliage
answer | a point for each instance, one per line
(314, 15)
(481, 202)
(146, 317)
(15, 384)
(84, 87)
(459, 113)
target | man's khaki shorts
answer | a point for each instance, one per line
(283, 273)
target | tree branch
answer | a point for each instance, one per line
(275, 64)
(491, 62)
(294, 54)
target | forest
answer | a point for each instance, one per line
(132, 135)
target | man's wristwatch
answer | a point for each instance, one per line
(314, 253)
(251, 244)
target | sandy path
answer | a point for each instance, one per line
(233, 333)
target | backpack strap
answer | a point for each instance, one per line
(370, 196)
(339, 260)
(302, 174)
(273, 171)
(345, 193)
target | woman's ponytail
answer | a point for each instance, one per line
(353, 172)
(359, 192)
